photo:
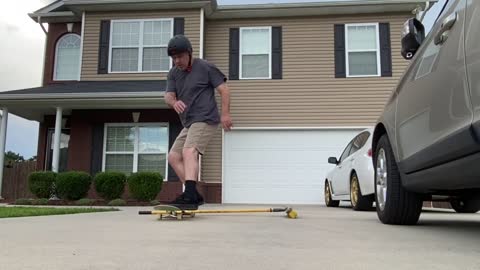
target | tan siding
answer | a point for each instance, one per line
(308, 95)
(92, 35)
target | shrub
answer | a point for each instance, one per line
(85, 202)
(145, 186)
(117, 202)
(23, 201)
(41, 184)
(73, 185)
(42, 201)
(110, 185)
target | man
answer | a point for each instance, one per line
(190, 92)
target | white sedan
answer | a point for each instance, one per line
(352, 179)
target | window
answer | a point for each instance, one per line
(255, 53)
(136, 148)
(362, 50)
(359, 141)
(346, 152)
(140, 45)
(67, 58)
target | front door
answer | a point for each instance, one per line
(472, 49)
(64, 141)
(434, 111)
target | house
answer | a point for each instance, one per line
(304, 79)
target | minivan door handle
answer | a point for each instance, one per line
(447, 24)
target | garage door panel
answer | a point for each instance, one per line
(279, 166)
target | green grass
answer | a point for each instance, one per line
(17, 211)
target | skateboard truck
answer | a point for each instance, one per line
(175, 212)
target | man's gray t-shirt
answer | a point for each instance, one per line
(197, 90)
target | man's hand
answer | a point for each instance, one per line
(179, 106)
(227, 122)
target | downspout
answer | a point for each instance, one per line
(41, 25)
(428, 6)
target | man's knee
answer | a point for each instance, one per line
(174, 157)
(190, 152)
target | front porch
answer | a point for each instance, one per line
(101, 126)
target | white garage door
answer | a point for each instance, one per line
(279, 166)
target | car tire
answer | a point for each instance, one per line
(328, 197)
(465, 206)
(395, 205)
(358, 202)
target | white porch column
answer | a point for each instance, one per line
(56, 141)
(3, 140)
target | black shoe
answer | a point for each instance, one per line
(200, 199)
(185, 202)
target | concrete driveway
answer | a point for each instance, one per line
(322, 238)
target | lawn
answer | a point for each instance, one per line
(9, 212)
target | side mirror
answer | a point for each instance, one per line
(333, 160)
(413, 35)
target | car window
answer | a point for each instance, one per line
(359, 141)
(346, 152)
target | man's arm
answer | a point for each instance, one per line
(171, 100)
(224, 91)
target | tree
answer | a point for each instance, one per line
(11, 158)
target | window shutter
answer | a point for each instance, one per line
(385, 50)
(340, 61)
(178, 26)
(104, 47)
(97, 149)
(277, 52)
(234, 65)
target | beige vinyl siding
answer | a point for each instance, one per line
(309, 95)
(92, 36)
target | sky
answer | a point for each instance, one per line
(22, 53)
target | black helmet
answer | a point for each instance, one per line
(179, 44)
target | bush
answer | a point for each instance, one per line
(145, 186)
(85, 202)
(42, 201)
(41, 184)
(117, 202)
(23, 201)
(73, 185)
(110, 185)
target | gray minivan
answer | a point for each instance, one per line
(426, 144)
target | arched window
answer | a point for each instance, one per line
(67, 58)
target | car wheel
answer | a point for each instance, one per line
(359, 202)
(328, 197)
(395, 205)
(465, 206)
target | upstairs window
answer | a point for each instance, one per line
(256, 53)
(140, 45)
(362, 50)
(67, 58)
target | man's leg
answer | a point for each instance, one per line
(175, 159)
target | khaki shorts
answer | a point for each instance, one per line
(197, 136)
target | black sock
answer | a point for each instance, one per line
(191, 188)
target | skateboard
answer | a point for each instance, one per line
(171, 211)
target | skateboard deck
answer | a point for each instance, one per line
(165, 210)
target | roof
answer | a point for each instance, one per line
(34, 103)
(51, 13)
(89, 88)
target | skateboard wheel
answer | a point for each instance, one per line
(179, 216)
